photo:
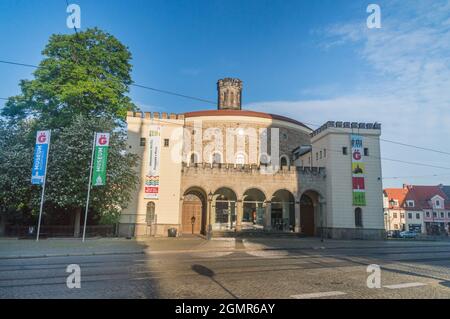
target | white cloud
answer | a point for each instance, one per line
(408, 80)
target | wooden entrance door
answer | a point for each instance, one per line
(192, 209)
(307, 216)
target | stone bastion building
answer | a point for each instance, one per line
(231, 170)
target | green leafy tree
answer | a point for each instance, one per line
(15, 171)
(86, 73)
(68, 169)
(79, 88)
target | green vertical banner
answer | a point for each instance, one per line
(100, 159)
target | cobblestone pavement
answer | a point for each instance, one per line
(249, 268)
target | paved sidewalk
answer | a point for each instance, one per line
(14, 248)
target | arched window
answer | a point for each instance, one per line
(150, 217)
(194, 159)
(283, 161)
(240, 159)
(358, 217)
(216, 158)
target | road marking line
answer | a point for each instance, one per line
(405, 285)
(319, 295)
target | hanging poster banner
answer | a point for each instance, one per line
(151, 183)
(100, 159)
(358, 171)
(40, 157)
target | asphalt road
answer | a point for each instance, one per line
(254, 269)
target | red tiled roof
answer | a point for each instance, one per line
(422, 195)
(243, 113)
(398, 194)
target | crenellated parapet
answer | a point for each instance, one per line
(203, 168)
(346, 125)
(156, 115)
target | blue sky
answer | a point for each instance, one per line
(313, 60)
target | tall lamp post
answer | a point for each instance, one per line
(209, 232)
(321, 203)
(386, 220)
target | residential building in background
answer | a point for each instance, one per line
(394, 208)
(424, 209)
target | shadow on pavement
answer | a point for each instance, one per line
(205, 271)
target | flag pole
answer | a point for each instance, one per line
(89, 187)
(43, 191)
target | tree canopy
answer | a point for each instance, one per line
(86, 73)
(79, 88)
(69, 162)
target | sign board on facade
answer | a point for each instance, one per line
(358, 171)
(151, 183)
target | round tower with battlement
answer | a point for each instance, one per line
(229, 94)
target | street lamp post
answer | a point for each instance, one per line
(209, 232)
(321, 203)
(387, 220)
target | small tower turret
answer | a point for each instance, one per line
(229, 94)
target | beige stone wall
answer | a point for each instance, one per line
(340, 209)
(173, 179)
(167, 208)
(332, 183)
(290, 137)
(294, 179)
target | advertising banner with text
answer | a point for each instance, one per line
(100, 159)
(152, 177)
(40, 157)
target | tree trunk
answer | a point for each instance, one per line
(2, 224)
(76, 232)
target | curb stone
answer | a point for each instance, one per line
(71, 255)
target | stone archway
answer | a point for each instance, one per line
(282, 211)
(193, 216)
(310, 221)
(253, 209)
(224, 209)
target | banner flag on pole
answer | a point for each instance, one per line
(39, 169)
(40, 157)
(100, 159)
